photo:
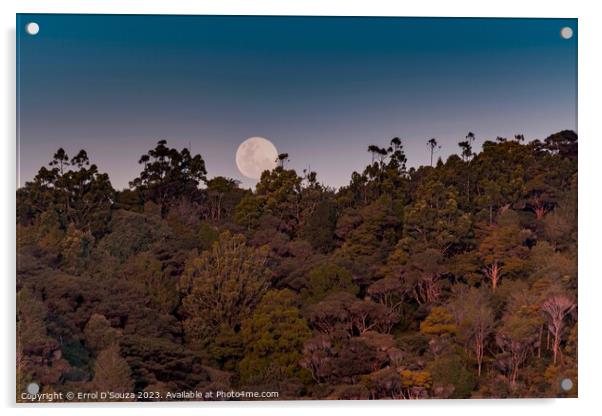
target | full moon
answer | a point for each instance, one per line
(255, 155)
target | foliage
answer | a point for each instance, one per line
(439, 322)
(273, 339)
(222, 286)
(457, 279)
(326, 279)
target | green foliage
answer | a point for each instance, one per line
(222, 286)
(439, 322)
(416, 384)
(371, 235)
(227, 349)
(319, 226)
(436, 218)
(207, 235)
(450, 369)
(80, 194)
(273, 340)
(326, 279)
(223, 196)
(505, 245)
(160, 360)
(131, 233)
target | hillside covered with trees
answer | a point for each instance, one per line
(455, 280)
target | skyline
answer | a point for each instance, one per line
(322, 90)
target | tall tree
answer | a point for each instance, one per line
(517, 333)
(503, 250)
(433, 146)
(556, 308)
(474, 319)
(60, 159)
(282, 159)
(169, 174)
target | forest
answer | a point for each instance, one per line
(453, 280)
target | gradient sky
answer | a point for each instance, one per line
(320, 88)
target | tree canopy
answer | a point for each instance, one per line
(457, 279)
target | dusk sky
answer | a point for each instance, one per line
(320, 88)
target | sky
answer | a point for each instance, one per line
(319, 88)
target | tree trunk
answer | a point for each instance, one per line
(479, 352)
(494, 273)
(556, 344)
(540, 341)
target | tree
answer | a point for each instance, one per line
(433, 145)
(99, 334)
(132, 233)
(375, 151)
(354, 358)
(384, 384)
(435, 219)
(111, 372)
(248, 211)
(451, 378)
(161, 360)
(317, 357)
(503, 249)
(223, 196)
(517, 333)
(169, 174)
(273, 339)
(466, 146)
(467, 155)
(390, 292)
(35, 348)
(60, 159)
(416, 384)
(319, 225)
(421, 273)
(439, 322)
(222, 286)
(367, 315)
(561, 225)
(326, 279)
(80, 195)
(281, 159)
(557, 307)
(491, 196)
(540, 195)
(563, 143)
(332, 314)
(278, 194)
(452, 280)
(368, 236)
(474, 320)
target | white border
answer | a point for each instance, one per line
(590, 131)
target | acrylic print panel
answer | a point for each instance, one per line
(277, 208)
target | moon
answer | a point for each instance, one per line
(255, 155)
